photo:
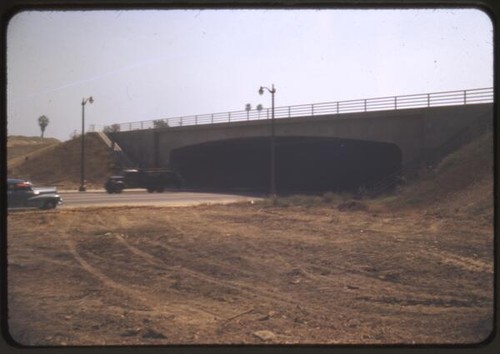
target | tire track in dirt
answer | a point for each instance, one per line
(465, 263)
(248, 291)
(182, 310)
(61, 263)
(105, 280)
(281, 300)
(319, 280)
(145, 299)
(310, 271)
(387, 279)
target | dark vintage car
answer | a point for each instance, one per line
(152, 179)
(22, 194)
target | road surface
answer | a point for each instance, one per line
(139, 197)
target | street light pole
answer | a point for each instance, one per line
(82, 187)
(273, 149)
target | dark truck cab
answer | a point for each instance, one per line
(154, 180)
(22, 194)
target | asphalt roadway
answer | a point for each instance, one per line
(75, 199)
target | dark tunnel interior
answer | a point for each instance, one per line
(303, 164)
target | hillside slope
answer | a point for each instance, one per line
(59, 163)
(20, 146)
(460, 185)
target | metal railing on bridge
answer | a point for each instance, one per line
(425, 100)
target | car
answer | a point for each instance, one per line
(152, 179)
(22, 194)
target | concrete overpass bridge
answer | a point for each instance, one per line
(327, 146)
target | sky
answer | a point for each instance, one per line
(154, 64)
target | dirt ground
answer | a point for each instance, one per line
(248, 273)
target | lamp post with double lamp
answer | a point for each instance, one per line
(83, 188)
(272, 188)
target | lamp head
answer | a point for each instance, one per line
(91, 100)
(261, 90)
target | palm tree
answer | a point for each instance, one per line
(43, 121)
(259, 108)
(248, 107)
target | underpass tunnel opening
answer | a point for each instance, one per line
(303, 164)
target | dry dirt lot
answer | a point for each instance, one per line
(247, 273)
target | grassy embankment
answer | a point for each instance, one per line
(50, 162)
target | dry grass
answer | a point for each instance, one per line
(59, 163)
(462, 184)
(225, 273)
(18, 147)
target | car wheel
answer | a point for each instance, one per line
(150, 190)
(160, 189)
(50, 204)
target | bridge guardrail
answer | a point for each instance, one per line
(425, 100)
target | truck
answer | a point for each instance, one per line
(22, 194)
(152, 179)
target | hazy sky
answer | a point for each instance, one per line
(144, 65)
